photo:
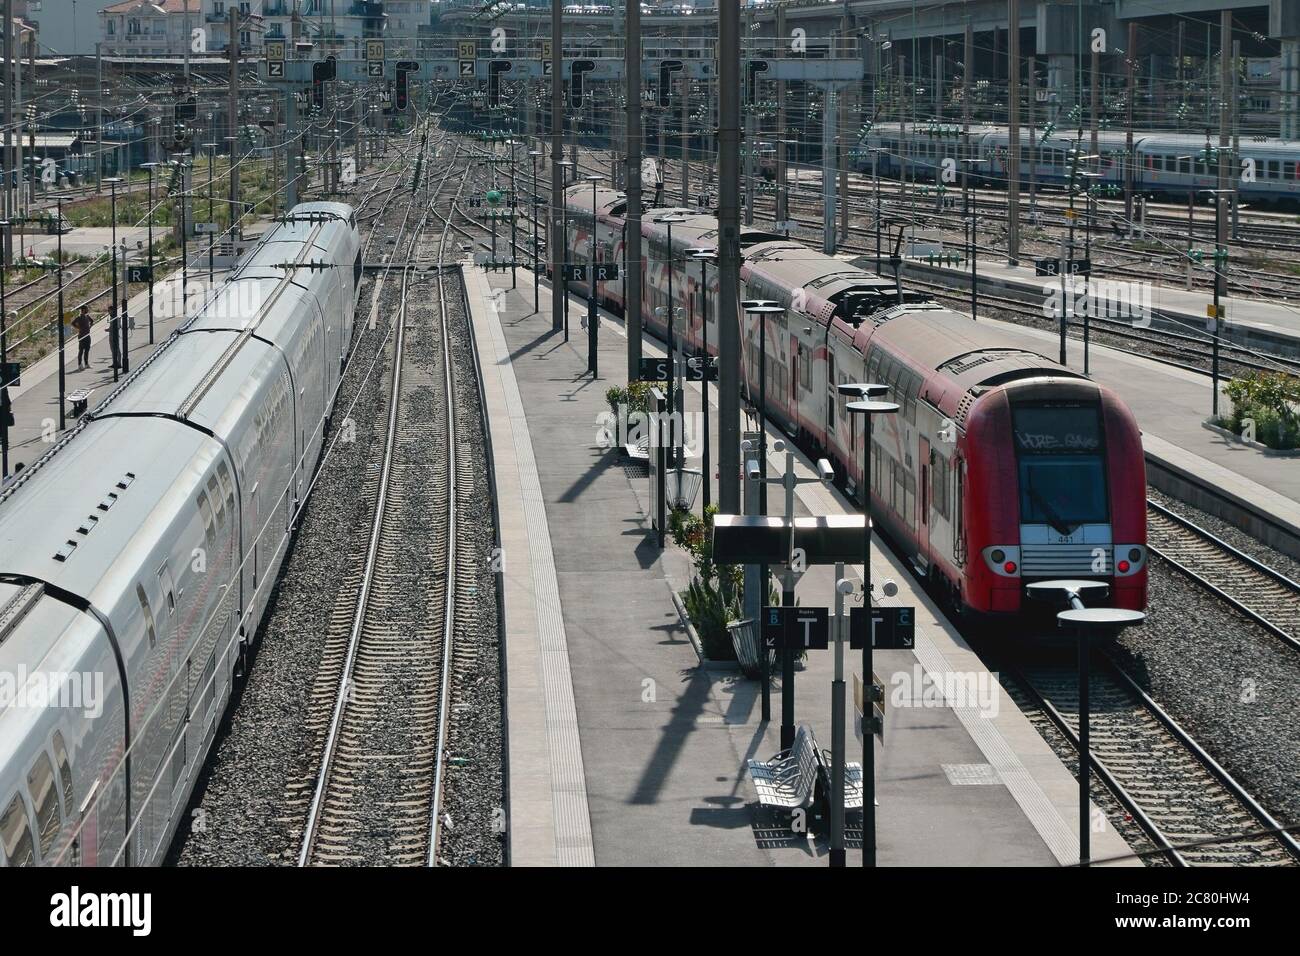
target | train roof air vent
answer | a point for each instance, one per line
(65, 552)
(964, 363)
(17, 608)
(963, 407)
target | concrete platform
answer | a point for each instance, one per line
(36, 401)
(1251, 322)
(611, 712)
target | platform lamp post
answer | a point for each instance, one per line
(765, 309)
(212, 236)
(673, 401)
(565, 165)
(63, 373)
(1089, 624)
(704, 256)
(593, 317)
(537, 269)
(514, 204)
(868, 406)
(150, 167)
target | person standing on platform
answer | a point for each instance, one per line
(82, 324)
(114, 343)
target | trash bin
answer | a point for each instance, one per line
(744, 638)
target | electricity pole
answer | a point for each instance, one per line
(233, 107)
(1013, 134)
(8, 162)
(632, 266)
(728, 255)
(556, 245)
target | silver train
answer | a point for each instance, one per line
(137, 556)
(1168, 164)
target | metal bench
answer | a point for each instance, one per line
(789, 780)
(852, 780)
(639, 450)
(79, 399)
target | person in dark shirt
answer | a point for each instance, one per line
(82, 324)
(114, 343)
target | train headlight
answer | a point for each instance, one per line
(1129, 559)
(1003, 560)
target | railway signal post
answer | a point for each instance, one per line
(150, 167)
(1089, 623)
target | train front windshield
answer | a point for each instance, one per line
(1061, 465)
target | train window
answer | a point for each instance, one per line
(1274, 169)
(218, 502)
(223, 472)
(909, 497)
(177, 751)
(65, 769)
(939, 486)
(40, 787)
(205, 512)
(1184, 164)
(165, 582)
(208, 684)
(16, 835)
(147, 612)
(805, 370)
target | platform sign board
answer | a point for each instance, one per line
(606, 271)
(892, 628)
(654, 369)
(575, 273)
(139, 273)
(466, 54)
(204, 228)
(1052, 267)
(797, 628)
(697, 369)
(11, 374)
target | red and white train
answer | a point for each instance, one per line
(1001, 467)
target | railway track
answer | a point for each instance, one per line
(1192, 810)
(384, 769)
(1269, 598)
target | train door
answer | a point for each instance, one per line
(792, 397)
(924, 504)
(832, 400)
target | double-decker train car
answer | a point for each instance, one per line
(1001, 467)
(136, 556)
(1167, 164)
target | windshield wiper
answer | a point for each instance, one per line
(1053, 518)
